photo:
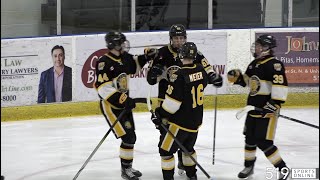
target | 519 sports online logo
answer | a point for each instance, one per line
(293, 173)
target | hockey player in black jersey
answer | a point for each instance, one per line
(266, 78)
(182, 113)
(167, 61)
(112, 71)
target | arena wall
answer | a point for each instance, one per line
(23, 60)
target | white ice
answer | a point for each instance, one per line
(55, 149)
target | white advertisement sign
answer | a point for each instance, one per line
(25, 63)
(89, 48)
(22, 62)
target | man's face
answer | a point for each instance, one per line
(58, 58)
(178, 41)
(256, 49)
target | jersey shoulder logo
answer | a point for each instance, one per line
(101, 65)
(277, 66)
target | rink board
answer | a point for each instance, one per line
(57, 110)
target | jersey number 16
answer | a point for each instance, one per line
(197, 97)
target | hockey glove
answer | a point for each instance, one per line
(233, 75)
(271, 109)
(215, 79)
(156, 119)
(129, 104)
(150, 53)
(156, 71)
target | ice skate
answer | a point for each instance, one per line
(130, 174)
(246, 172)
(181, 170)
(193, 178)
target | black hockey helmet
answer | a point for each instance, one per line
(115, 39)
(177, 30)
(267, 41)
(188, 50)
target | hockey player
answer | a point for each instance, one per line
(112, 71)
(268, 85)
(184, 94)
(167, 61)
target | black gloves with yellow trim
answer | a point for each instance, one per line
(215, 79)
(150, 53)
(156, 71)
(271, 108)
(235, 77)
(155, 117)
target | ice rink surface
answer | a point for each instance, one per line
(55, 149)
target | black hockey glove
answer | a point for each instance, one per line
(129, 104)
(156, 119)
(233, 75)
(215, 79)
(270, 109)
(156, 71)
(150, 53)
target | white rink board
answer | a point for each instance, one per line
(225, 48)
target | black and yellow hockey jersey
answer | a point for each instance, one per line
(112, 76)
(168, 57)
(183, 103)
(267, 80)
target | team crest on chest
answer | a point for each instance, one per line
(121, 83)
(254, 84)
(171, 76)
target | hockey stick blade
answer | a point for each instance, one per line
(244, 111)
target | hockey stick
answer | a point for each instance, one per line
(175, 138)
(214, 127)
(101, 141)
(137, 100)
(151, 45)
(246, 109)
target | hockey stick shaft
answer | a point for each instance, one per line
(101, 141)
(175, 138)
(214, 127)
(249, 108)
(298, 121)
(185, 150)
(292, 119)
(137, 100)
(150, 45)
